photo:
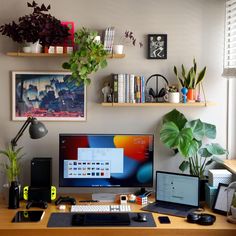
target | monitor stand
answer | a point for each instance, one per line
(104, 197)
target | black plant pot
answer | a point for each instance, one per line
(202, 189)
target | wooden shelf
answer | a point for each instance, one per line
(164, 104)
(22, 54)
(230, 165)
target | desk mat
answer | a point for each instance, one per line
(64, 220)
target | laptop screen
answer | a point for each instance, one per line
(177, 188)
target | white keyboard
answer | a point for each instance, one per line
(100, 208)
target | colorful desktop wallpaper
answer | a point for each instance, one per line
(48, 95)
(137, 160)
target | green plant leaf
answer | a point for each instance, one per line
(177, 117)
(203, 152)
(184, 166)
(66, 65)
(188, 147)
(201, 75)
(209, 162)
(103, 63)
(197, 127)
(216, 149)
(172, 137)
(209, 130)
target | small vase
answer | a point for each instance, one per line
(191, 95)
(32, 47)
(118, 49)
(233, 211)
(184, 92)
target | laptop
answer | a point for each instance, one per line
(176, 194)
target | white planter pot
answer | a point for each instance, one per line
(118, 49)
(32, 48)
(172, 97)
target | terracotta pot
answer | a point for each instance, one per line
(191, 95)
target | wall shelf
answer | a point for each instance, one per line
(192, 104)
(230, 165)
(22, 54)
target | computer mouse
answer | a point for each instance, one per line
(140, 217)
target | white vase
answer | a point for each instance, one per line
(118, 49)
(32, 47)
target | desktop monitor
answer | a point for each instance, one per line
(106, 160)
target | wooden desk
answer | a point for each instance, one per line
(178, 226)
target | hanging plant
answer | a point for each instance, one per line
(87, 58)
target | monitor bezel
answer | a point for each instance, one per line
(61, 165)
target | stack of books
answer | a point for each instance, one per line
(108, 39)
(128, 88)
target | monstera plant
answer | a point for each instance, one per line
(191, 140)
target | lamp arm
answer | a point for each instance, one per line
(21, 131)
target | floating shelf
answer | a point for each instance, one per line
(164, 104)
(22, 54)
(230, 165)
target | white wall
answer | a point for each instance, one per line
(195, 29)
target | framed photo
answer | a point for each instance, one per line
(224, 197)
(49, 96)
(157, 46)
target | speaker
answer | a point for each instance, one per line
(41, 172)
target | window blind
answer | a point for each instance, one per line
(230, 40)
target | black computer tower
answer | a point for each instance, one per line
(41, 172)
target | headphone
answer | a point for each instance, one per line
(201, 219)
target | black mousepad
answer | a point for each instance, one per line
(65, 219)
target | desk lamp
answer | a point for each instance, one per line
(36, 130)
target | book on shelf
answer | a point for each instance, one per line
(108, 39)
(128, 88)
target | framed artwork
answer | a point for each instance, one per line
(157, 46)
(49, 96)
(224, 197)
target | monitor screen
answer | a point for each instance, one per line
(95, 160)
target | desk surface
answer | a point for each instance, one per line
(178, 226)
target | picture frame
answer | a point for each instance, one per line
(47, 96)
(157, 46)
(223, 199)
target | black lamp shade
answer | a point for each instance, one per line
(37, 129)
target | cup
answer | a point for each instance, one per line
(172, 97)
(118, 49)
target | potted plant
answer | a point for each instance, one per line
(38, 27)
(127, 39)
(11, 167)
(190, 79)
(172, 94)
(88, 56)
(188, 138)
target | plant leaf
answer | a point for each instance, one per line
(201, 75)
(209, 130)
(184, 166)
(172, 137)
(188, 148)
(203, 152)
(176, 117)
(216, 149)
(197, 127)
(209, 162)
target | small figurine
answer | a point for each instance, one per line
(184, 92)
(107, 92)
